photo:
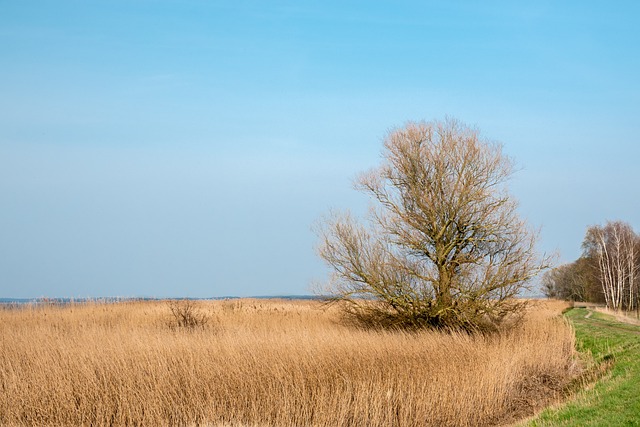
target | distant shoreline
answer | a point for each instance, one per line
(67, 300)
(110, 300)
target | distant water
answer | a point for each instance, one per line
(110, 300)
(62, 301)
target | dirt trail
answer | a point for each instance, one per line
(625, 327)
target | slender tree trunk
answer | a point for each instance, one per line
(631, 271)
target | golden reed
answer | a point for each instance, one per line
(268, 363)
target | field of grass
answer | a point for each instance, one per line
(614, 400)
(269, 362)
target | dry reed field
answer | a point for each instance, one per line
(269, 363)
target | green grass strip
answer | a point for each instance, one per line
(614, 399)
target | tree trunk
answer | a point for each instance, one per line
(444, 300)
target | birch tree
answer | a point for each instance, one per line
(615, 247)
(443, 245)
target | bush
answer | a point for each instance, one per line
(186, 315)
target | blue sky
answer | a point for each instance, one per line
(186, 148)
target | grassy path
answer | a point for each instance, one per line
(614, 400)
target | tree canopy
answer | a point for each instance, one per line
(443, 245)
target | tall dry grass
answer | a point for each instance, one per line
(267, 363)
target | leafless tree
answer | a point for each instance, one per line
(615, 247)
(575, 281)
(444, 246)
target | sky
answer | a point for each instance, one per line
(187, 148)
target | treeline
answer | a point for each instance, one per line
(607, 272)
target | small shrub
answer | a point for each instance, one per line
(186, 315)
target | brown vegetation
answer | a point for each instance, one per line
(443, 245)
(268, 363)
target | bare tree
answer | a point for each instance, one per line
(574, 281)
(444, 246)
(615, 247)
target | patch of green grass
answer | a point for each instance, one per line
(614, 400)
